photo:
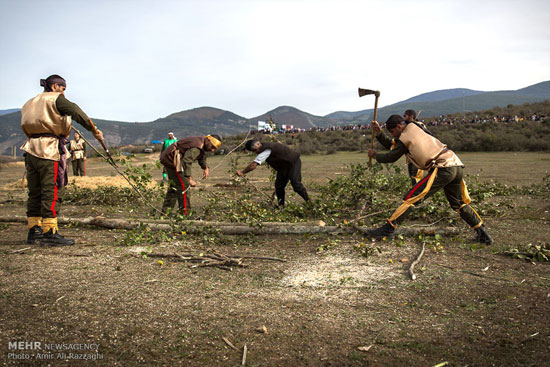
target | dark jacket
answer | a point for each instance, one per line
(168, 159)
(281, 157)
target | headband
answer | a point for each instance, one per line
(51, 80)
(215, 142)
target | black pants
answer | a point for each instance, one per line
(44, 194)
(78, 167)
(448, 179)
(292, 173)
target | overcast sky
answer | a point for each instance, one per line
(142, 60)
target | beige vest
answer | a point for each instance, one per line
(38, 116)
(77, 147)
(425, 150)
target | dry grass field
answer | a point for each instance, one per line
(325, 305)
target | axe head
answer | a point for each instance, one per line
(365, 92)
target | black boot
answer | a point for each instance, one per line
(35, 234)
(55, 239)
(386, 230)
(482, 235)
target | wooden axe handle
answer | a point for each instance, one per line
(372, 130)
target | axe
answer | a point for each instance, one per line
(365, 92)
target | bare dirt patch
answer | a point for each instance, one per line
(469, 306)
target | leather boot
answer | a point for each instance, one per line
(35, 234)
(482, 236)
(386, 230)
(52, 238)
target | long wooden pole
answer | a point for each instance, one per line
(374, 119)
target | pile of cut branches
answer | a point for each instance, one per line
(214, 259)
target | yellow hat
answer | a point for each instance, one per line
(215, 142)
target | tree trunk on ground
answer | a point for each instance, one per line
(235, 228)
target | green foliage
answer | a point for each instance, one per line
(140, 177)
(539, 252)
(102, 195)
(432, 242)
(379, 188)
(365, 250)
(144, 235)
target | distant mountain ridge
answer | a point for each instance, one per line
(431, 104)
(441, 95)
(204, 120)
(11, 110)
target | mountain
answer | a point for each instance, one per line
(204, 120)
(198, 121)
(11, 110)
(286, 115)
(462, 100)
(441, 95)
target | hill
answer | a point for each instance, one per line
(203, 120)
(11, 110)
(441, 95)
(461, 100)
(286, 115)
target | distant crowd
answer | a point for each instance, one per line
(476, 119)
(439, 121)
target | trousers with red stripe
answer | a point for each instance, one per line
(178, 184)
(448, 179)
(44, 195)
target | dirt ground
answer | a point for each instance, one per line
(326, 305)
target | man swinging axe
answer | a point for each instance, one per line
(284, 160)
(46, 121)
(444, 172)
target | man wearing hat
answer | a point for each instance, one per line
(46, 121)
(284, 160)
(178, 159)
(444, 172)
(415, 173)
(167, 142)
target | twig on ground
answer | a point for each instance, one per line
(260, 258)
(20, 250)
(475, 274)
(427, 225)
(225, 262)
(229, 343)
(245, 179)
(245, 350)
(411, 268)
(365, 216)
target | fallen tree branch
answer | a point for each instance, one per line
(411, 268)
(475, 274)
(225, 262)
(358, 218)
(197, 227)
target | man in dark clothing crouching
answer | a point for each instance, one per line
(282, 159)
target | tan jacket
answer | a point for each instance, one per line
(40, 116)
(425, 151)
(77, 148)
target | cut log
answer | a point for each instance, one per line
(197, 227)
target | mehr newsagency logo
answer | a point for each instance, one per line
(36, 350)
